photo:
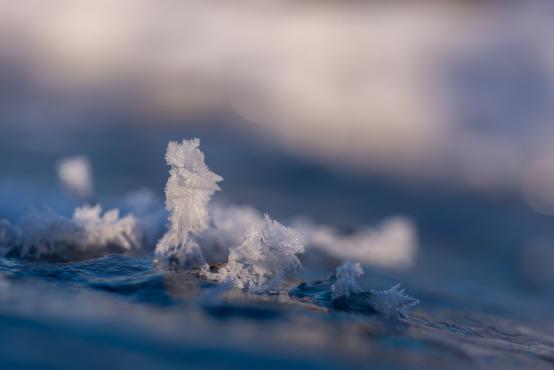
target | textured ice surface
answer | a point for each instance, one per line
(188, 191)
(122, 310)
(393, 244)
(89, 233)
(266, 256)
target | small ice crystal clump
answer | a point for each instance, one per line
(342, 292)
(346, 283)
(188, 191)
(76, 176)
(393, 302)
(89, 233)
(266, 255)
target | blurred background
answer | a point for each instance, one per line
(346, 112)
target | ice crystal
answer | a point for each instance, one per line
(392, 303)
(89, 233)
(346, 283)
(393, 244)
(266, 255)
(76, 176)
(341, 291)
(188, 191)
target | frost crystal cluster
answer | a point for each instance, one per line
(89, 233)
(235, 246)
(346, 283)
(188, 191)
(342, 292)
(266, 255)
(393, 302)
(259, 252)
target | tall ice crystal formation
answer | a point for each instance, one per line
(266, 255)
(188, 191)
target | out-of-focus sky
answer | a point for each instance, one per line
(457, 92)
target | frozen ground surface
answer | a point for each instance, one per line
(481, 276)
